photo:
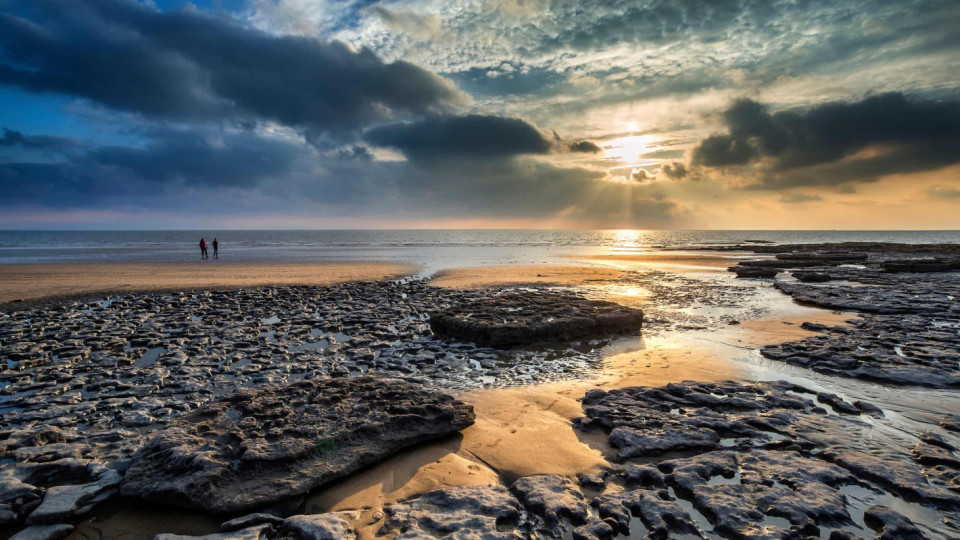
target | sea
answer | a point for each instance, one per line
(431, 248)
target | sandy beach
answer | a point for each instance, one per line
(38, 281)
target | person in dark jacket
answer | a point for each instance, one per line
(216, 246)
(203, 248)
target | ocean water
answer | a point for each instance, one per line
(430, 248)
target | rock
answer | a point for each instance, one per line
(250, 520)
(869, 408)
(903, 337)
(928, 454)
(892, 473)
(552, 497)
(519, 318)
(936, 439)
(7, 515)
(837, 403)
(635, 443)
(921, 265)
(43, 532)
(595, 481)
(461, 513)
(755, 272)
(831, 256)
(661, 516)
(331, 526)
(282, 442)
(891, 525)
(257, 532)
(593, 529)
(812, 277)
(69, 502)
(951, 422)
(696, 416)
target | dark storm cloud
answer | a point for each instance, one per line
(189, 65)
(173, 161)
(836, 143)
(471, 136)
(42, 142)
(587, 147)
(196, 158)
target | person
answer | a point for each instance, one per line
(203, 248)
(216, 246)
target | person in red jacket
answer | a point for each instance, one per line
(203, 248)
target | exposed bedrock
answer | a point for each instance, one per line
(907, 335)
(54, 492)
(772, 471)
(255, 448)
(755, 272)
(516, 318)
(761, 460)
(921, 265)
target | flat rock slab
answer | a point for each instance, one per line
(771, 469)
(255, 448)
(519, 318)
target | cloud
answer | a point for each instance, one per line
(675, 170)
(641, 175)
(836, 143)
(943, 192)
(171, 164)
(587, 147)
(237, 172)
(471, 136)
(187, 65)
(13, 138)
(198, 158)
(797, 198)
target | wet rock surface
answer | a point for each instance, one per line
(513, 319)
(909, 332)
(285, 441)
(90, 383)
(773, 469)
(773, 474)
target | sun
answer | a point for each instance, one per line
(629, 149)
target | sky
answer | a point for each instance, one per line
(614, 114)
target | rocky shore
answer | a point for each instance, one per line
(909, 332)
(239, 403)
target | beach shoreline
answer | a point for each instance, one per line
(54, 283)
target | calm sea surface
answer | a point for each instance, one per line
(431, 248)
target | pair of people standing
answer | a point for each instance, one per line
(203, 248)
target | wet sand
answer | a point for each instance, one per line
(592, 270)
(526, 430)
(673, 261)
(567, 275)
(37, 281)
